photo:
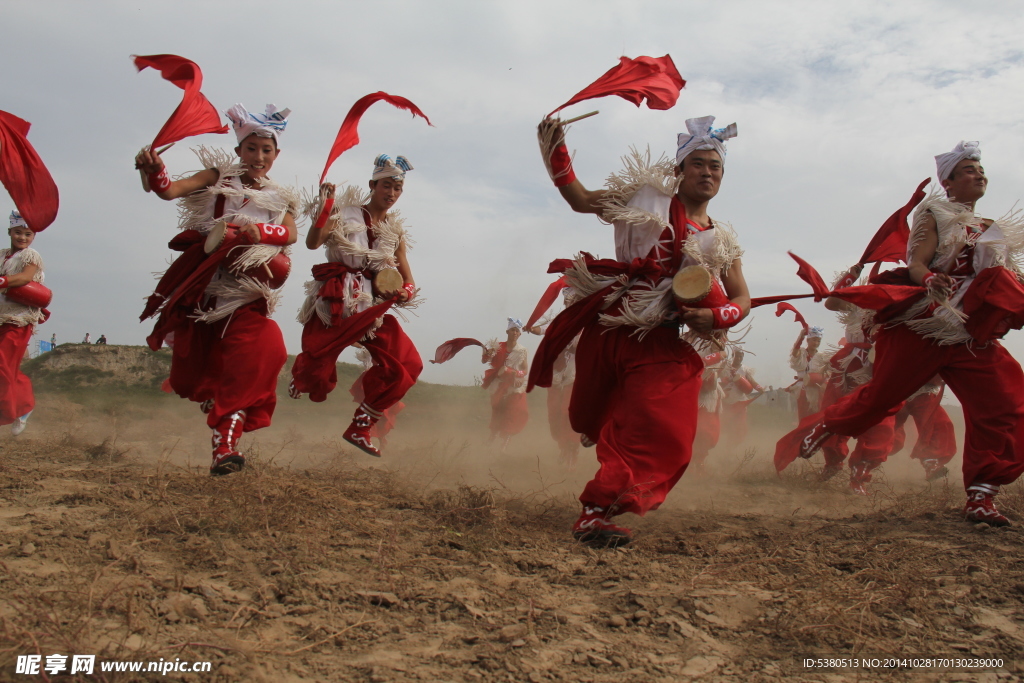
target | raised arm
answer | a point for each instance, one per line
(316, 236)
(847, 279)
(150, 163)
(556, 157)
(799, 342)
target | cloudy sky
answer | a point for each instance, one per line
(840, 108)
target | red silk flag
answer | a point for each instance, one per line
(445, 352)
(653, 78)
(809, 275)
(195, 115)
(548, 298)
(24, 175)
(768, 300)
(348, 135)
(890, 242)
(783, 307)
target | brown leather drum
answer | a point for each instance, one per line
(388, 281)
(691, 284)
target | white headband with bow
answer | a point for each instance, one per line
(945, 163)
(385, 167)
(267, 125)
(514, 322)
(700, 135)
(17, 221)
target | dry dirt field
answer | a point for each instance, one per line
(448, 560)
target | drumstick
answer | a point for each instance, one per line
(145, 180)
(580, 118)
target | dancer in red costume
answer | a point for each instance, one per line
(965, 263)
(386, 423)
(709, 408)
(363, 236)
(637, 377)
(851, 367)
(506, 379)
(738, 383)
(214, 310)
(936, 438)
(808, 373)
(19, 265)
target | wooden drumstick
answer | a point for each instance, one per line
(145, 180)
(581, 117)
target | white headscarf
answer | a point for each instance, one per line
(816, 333)
(17, 221)
(945, 163)
(700, 135)
(384, 167)
(514, 322)
(268, 125)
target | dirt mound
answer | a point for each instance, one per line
(75, 366)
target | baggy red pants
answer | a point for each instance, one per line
(509, 412)
(16, 398)
(234, 361)
(936, 438)
(637, 399)
(734, 416)
(558, 419)
(873, 446)
(386, 423)
(709, 428)
(396, 364)
(986, 379)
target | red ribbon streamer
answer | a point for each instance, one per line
(195, 115)
(548, 298)
(445, 352)
(783, 307)
(24, 174)
(890, 242)
(348, 135)
(653, 78)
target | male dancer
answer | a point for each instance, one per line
(637, 379)
(808, 399)
(738, 383)
(964, 262)
(214, 314)
(363, 236)
(709, 408)
(19, 265)
(506, 380)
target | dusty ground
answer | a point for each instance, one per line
(450, 561)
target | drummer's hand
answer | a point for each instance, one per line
(148, 161)
(252, 232)
(534, 330)
(939, 284)
(552, 129)
(327, 190)
(700, 320)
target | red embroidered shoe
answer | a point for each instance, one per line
(860, 475)
(812, 442)
(981, 505)
(359, 432)
(292, 391)
(594, 528)
(226, 459)
(933, 469)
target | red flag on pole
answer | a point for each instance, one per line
(890, 242)
(548, 298)
(195, 115)
(24, 175)
(653, 78)
(348, 135)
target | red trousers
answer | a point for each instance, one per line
(709, 428)
(637, 399)
(16, 398)
(803, 405)
(234, 361)
(558, 419)
(986, 379)
(873, 445)
(734, 415)
(509, 413)
(396, 364)
(936, 439)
